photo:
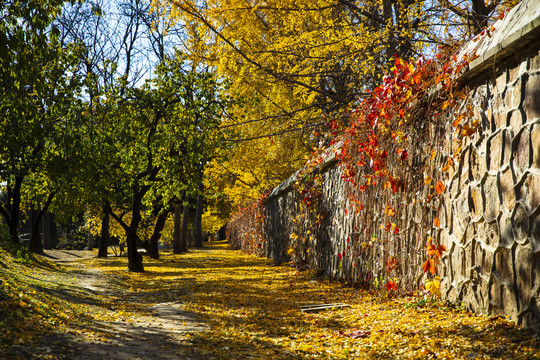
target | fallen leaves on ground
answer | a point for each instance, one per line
(252, 309)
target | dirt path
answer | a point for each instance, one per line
(159, 331)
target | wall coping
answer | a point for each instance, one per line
(517, 30)
(328, 159)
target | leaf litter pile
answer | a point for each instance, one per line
(243, 307)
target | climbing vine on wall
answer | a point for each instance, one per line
(406, 136)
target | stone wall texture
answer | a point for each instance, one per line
(490, 215)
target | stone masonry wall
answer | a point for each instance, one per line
(492, 230)
(490, 216)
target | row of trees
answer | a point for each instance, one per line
(100, 113)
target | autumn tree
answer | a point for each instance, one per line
(298, 65)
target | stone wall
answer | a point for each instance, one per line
(490, 215)
(493, 213)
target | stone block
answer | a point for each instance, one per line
(535, 144)
(503, 267)
(520, 152)
(520, 222)
(457, 258)
(500, 82)
(462, 203)
(531, 103)
(487, 261)
(489, 118)
(506, 184)
(515, 120)
(529, 190)
(506, 147)
(450, 214)
(513, 75)
(499, 118)
(495, 295)
(495, 151)
(510, 301)
(523, 260)
(470, 232)
(464, 166)
(492, 203)
(513, 95)
(499, 107)
(454, 187)
(507, 233)
(476, 202)
(488, 233)
(534, 63)
(477, 165)
(535, 235)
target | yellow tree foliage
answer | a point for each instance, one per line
(298, 64)
(295, 64)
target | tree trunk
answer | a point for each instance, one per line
(15, 199)
(90, 239)
(36, 246)
(198, 215)
(135, 263)
(47, 239)
(104, 243)
(153, 244)
(184, 230)
(176, 232)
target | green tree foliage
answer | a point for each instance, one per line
(37, 99)
(157, 136)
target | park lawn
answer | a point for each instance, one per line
(251, 310)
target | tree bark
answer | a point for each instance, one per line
(11, 210)
(90, 240)
(184, 230)
(176, 233)
(36, 245)
(198, 215)
(104, 243)
(135, 263)
(47, 239)
(153, 244)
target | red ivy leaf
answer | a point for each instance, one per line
(390, 285)
(439, 188)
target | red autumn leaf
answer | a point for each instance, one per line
(403, 155)
(436, 222)
(433, 268)
(431, 249)
(425, 266)
(429, 265)
(390, 285)
(449, 162)
(439, 251)
(439, 188)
